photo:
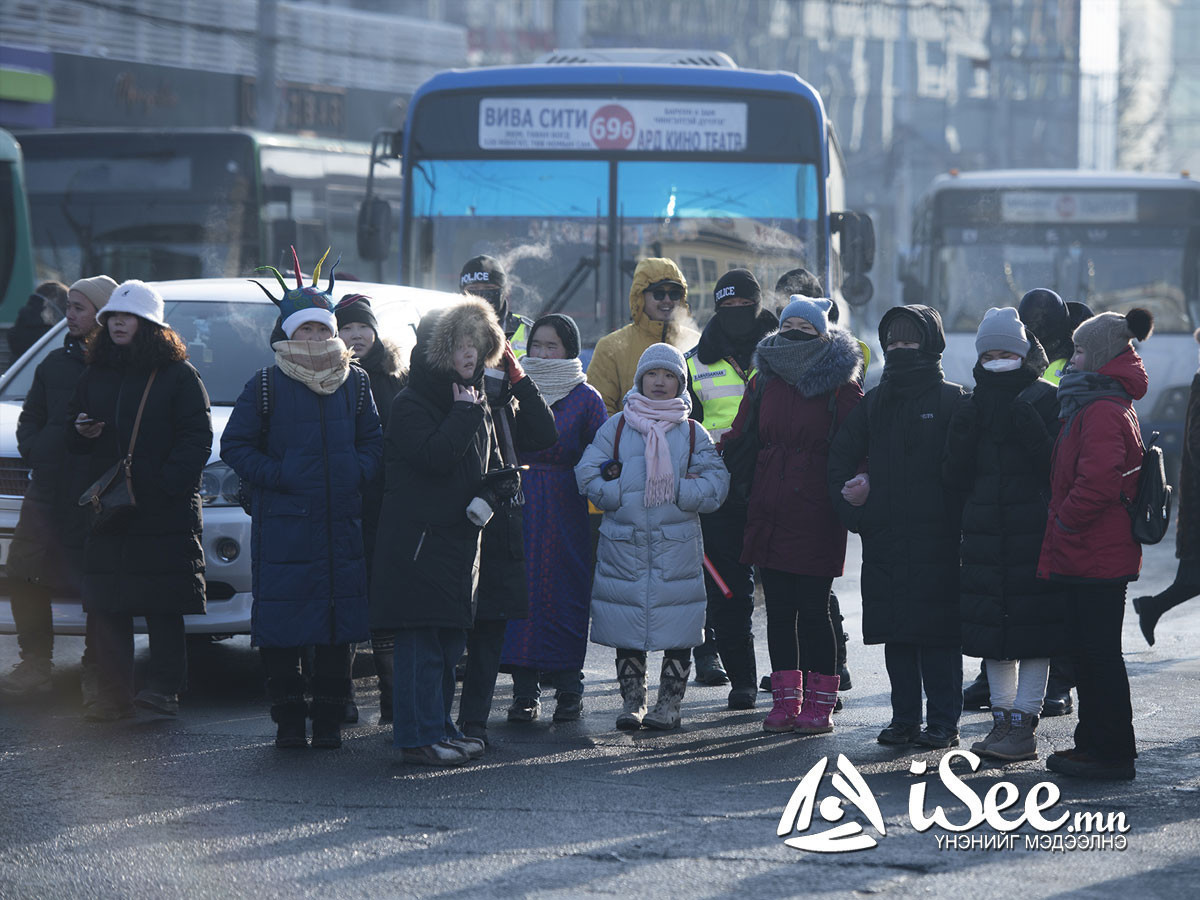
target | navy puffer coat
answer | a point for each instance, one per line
(310, 576)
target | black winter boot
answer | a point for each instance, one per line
(1058, 688)
(328, 711)
(978, 694)
(708, 664)
(742, 668)
(835, 615)
(288, 711)
(382, 645)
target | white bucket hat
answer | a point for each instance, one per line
(137, 298)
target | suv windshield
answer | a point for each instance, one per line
(227, 343)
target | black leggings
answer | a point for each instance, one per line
(799, 629)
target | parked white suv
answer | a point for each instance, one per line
(226, 324)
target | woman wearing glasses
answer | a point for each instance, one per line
(659, 309)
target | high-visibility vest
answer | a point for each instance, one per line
(720, 387)
(520, 337)
(1054, 371)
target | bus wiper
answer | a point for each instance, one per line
(574, 281)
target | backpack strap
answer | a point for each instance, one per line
(691, 443)
(617, 439)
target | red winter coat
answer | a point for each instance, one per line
(1088, 531)
(790, 522)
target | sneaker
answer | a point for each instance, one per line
(89, 685)
(524, 709)
(102, 711)
(28, 677)
(440, 754)
(472, 747)
(938, 737)
(163, 704)
(569, 707)
(899, 733)
(477, 730)
(1083, 765)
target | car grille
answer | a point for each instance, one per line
(14, 476)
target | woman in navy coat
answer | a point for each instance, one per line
(306, 470)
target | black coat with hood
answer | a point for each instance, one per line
(155, 565)
(47, 546)
(436, 452)
(385, 368)
(716, 344)
(998, 456)
(909, 523)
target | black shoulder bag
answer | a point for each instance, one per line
(111, 496)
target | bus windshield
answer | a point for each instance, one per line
(166, 211)
(1112, 268)
(550, 219)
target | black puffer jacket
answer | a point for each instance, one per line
(998, 455)
(156, 565)
(47, 546)
(503, 592)
(436, 452)
(388, 376)
(910, 523)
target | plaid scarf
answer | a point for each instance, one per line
(321, 366)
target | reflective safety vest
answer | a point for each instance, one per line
(1054, 371)
(520, 337)
(720, 387)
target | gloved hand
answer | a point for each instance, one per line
(511, 365)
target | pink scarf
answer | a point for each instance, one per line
(653, 419)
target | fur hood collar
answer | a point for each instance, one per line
(840, 364)
(474, 320)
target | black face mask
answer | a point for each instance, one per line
(738, 322)
(797, 335)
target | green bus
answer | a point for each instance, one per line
(170, 203)
(16, 250)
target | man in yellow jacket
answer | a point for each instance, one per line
(659, 311)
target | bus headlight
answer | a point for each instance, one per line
(219, 485)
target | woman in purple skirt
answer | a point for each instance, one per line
(550, 645)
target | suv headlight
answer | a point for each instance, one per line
(219, 485)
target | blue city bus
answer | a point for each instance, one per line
(571, 171)
(16, 249)
(1113, 240)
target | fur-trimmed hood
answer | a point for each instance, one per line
(474, 320)
(841, 363)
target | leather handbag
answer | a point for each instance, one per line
(111, 496)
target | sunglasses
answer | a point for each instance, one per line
(661, 294)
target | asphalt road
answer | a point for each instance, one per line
(205, 806)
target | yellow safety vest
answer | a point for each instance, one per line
(720, 387)
(520, 338)
(1054, 371)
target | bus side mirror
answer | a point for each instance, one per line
(912, 291)
(858, 255)
(374, 228)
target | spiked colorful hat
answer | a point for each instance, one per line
(303, 303)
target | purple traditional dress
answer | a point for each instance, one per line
(557, 545)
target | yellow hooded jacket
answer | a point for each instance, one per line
(614, 362)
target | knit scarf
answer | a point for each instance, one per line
(653, 419)
(908, 372)
(555, 378)
(790, 360)
(1078, 389)
(321, 366)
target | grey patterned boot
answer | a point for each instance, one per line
(1021, 740)
(631, 676)
(672, 683)
(1001, 722)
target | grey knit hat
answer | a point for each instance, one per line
(661, 356)
(1102, 338)
(1001, 329)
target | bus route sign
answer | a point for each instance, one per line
(561, 123)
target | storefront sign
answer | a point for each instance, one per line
(559, 123)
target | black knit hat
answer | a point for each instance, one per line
(564, 327)
(798, 281)
(1045, 314)
(737, 283)
(485, 271)
(355, 308)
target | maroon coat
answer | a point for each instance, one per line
(790, 522)
(1088, 531)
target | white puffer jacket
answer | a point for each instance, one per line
(649, 588)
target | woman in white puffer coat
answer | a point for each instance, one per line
(652, 471)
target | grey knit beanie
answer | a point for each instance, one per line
(661, 356)
(1001, 329)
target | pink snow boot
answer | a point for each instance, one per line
(820, 696)
(785, 688)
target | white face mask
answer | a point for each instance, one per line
(1002, 365)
